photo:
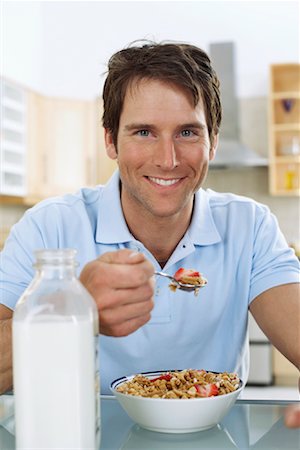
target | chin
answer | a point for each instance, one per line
(165, 212)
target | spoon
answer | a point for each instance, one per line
(183, 286)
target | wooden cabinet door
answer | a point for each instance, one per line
(104, 165)
(66, 144)
(62, 145)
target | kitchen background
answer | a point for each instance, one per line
(54, 55)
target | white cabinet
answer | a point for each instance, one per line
(261, 357)
(261, 364)
(13, 141)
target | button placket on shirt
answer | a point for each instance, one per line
(184, 249)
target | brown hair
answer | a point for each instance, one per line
(183, 64)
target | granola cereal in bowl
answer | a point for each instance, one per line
(177, 401)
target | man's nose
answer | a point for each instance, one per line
(165, 155)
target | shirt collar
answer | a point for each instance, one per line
(203, 230)
(112, 227)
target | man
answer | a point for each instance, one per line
(162, 115)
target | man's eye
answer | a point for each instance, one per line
(143, 132)
(187, 133)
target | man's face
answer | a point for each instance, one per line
(163, 150)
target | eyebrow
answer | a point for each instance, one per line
(135, 126)
(199, 125)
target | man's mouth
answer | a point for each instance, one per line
(163, 182)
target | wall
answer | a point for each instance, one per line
(22, 42)
(253, 182)
(61, 48)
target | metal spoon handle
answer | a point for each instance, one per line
(166, 275)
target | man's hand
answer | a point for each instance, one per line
(292, 416)
(122, 285)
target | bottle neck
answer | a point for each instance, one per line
(56, 263)
(56, 272)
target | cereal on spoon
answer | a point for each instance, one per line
(189, 277)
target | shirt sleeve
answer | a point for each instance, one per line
(17, 259)
(273, 263)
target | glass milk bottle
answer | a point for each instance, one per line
(55, 367)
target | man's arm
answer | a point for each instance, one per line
(277, 312)
(5, 348)
(122, 286)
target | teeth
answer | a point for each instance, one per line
(163, 182)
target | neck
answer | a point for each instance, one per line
(160, 235)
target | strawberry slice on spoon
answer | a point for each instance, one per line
(188, 280)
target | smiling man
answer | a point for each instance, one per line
(161, 118)
(163, 150)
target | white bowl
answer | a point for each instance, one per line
(174, 415)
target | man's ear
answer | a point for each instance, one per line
(109, 145)
(213, 148)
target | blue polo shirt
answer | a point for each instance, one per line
(234, 241)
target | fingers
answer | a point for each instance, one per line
(124, 256)
(122, 286)
(124, 319)
(117, 270)
(127, 327)
(111, 297)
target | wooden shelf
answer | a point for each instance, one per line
(21, 201)
(285, 78)
(286, 127)
(285, 95)
(284, 130)
(286, 111)
(11, 200)
(286, 159)
(286, 193)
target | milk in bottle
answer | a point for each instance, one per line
(55, 364)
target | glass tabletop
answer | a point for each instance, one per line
(249, 425)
